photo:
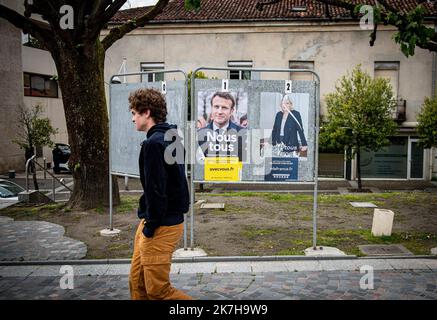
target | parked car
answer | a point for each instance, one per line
(61, 154)
(9, 190)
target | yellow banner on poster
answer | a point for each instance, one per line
(223, 169)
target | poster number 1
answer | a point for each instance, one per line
(288, 86)
(164, 87)
(225, 85)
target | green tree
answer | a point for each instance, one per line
(34, 131)
(359, 115)
(199, 75)
(427, 119)
(71, 31)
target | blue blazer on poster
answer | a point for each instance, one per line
(291, 130)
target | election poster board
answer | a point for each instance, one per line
(255, 130)
(125, 141)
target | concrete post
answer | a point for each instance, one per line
(382, 222)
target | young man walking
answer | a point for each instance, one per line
(162, 205)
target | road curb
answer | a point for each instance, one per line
(210, 259)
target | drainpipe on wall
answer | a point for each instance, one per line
(433, 160)
(434, 71)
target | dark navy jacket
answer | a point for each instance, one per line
(233, 128)
(291, 130)
(166, 197)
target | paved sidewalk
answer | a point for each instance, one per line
(37, 240)
(253, 280)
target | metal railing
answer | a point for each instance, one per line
(60, 181)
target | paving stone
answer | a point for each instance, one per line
(5, 220)
(225, 267)
(336, 265)
(17, 271)
(118, 269)
(414, 264)
(267, 266)
(431, 263)
(48, 271)
(93, 270)
(376, 264)
(309, 265)
(37, 240)
(205, 267)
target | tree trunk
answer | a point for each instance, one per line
(359, 169)
(81, 80)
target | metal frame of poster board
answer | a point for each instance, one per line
(186, 131)
(316, 142)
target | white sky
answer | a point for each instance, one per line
(138, 3)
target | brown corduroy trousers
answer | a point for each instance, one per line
(151, 261)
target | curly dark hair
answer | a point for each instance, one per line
(144, 99)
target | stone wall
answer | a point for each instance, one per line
(11, 93)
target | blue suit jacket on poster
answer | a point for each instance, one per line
(291, 130)
(232, 127)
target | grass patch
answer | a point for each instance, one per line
(52, 207)
(288, 197)
(118, 246)
(356, 252)
(292, 251)
(76, 218)
(269, 244)
(359, 211)
(348, 240)
(296, 241)
(218, 212)
(236, 194)
(252, 232)
(336, 198)
(100, 209)
(332, 198)
(27, 212)
(306, 218)
(303, 200)
(127, 204)
(231, 208)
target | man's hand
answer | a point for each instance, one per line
(148, 232)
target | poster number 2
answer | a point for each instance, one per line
(288, 86)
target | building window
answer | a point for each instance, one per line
(37, 85)
(389, 162)
(390, 71)
(307, 65)
(240, 74)
(151, 66)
